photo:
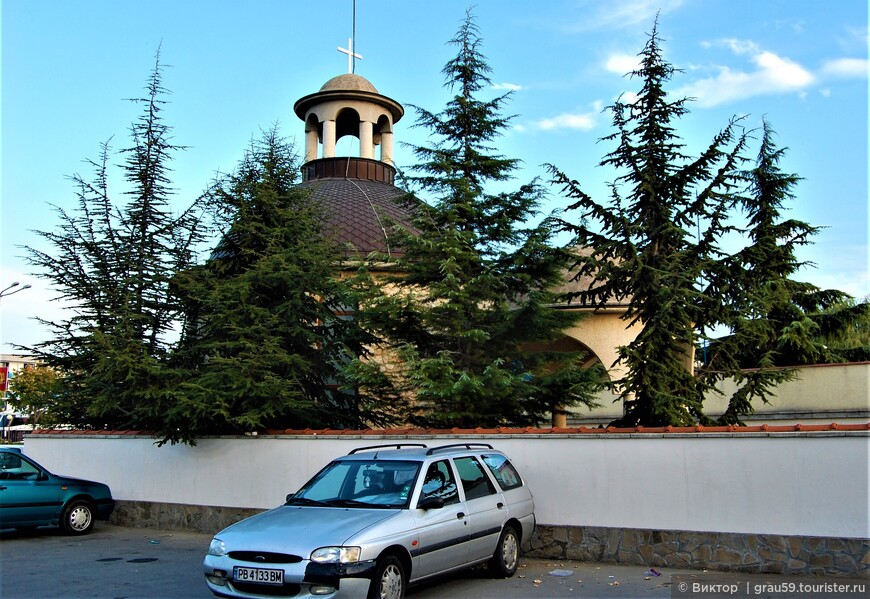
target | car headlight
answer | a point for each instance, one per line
(217, 547)
(335, 555)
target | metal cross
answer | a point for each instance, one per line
(350, 54)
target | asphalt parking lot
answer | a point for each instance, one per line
(115, 562)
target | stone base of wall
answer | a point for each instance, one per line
(732, 552)
(177, 516)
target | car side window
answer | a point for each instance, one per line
(503, 471)
(15, 468)
(10, 460)
(440, 482)
(475, 482)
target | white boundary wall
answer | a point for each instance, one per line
(809, 484)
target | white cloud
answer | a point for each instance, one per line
(567, 120)
(508, 86)
(622, 64)
(628, 97)
(771, 74)
(766, 73)
(739, 46)
(781, 72)
(600, 15)
(856, 39)
(582, 121)
(846, 67)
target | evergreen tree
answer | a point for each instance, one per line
(844, 329)
(643, 245)
(777, 322)
(476, 286)
(113, 264)
(266, 337)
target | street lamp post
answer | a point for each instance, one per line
(3, 294)
(15, 284)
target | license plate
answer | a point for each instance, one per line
(258, 575)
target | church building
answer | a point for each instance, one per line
(359, 194)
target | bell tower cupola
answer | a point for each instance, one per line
(348, 105)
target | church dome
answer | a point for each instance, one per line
(349, 82)
(361, 213)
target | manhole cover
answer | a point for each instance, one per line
(110, 559)
(141, 560)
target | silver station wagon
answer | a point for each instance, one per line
(376, 520)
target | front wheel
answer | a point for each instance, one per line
(78, 517)
(389, 580)
(506, 558)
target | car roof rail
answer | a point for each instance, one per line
(465, 445)
(390, 445)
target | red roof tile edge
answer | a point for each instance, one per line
(583, 430)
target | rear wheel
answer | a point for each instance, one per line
(506, 558)
(389, 580)
(78, 517)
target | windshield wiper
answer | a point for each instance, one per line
(364, 504)
(349, 503)
(303, 501)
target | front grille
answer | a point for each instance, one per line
(264, 557)
(287, 590)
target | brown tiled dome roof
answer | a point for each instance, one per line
(361, 201)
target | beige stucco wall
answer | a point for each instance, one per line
(822, 393)
(603, 332)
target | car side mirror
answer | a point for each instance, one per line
(430, 503)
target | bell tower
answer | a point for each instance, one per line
(348, 105)
(358, 192)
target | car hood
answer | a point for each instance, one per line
(77, 482)
(298, 530)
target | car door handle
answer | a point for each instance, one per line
(460, 515)
(2, 487)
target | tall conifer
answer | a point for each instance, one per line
(112, 261)
(776, 322)
(643, 244)
(266, 341)
(476, 287)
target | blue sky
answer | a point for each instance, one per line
(237, 67)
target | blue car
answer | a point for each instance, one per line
(31, 496)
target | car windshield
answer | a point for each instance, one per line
(360, 484)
